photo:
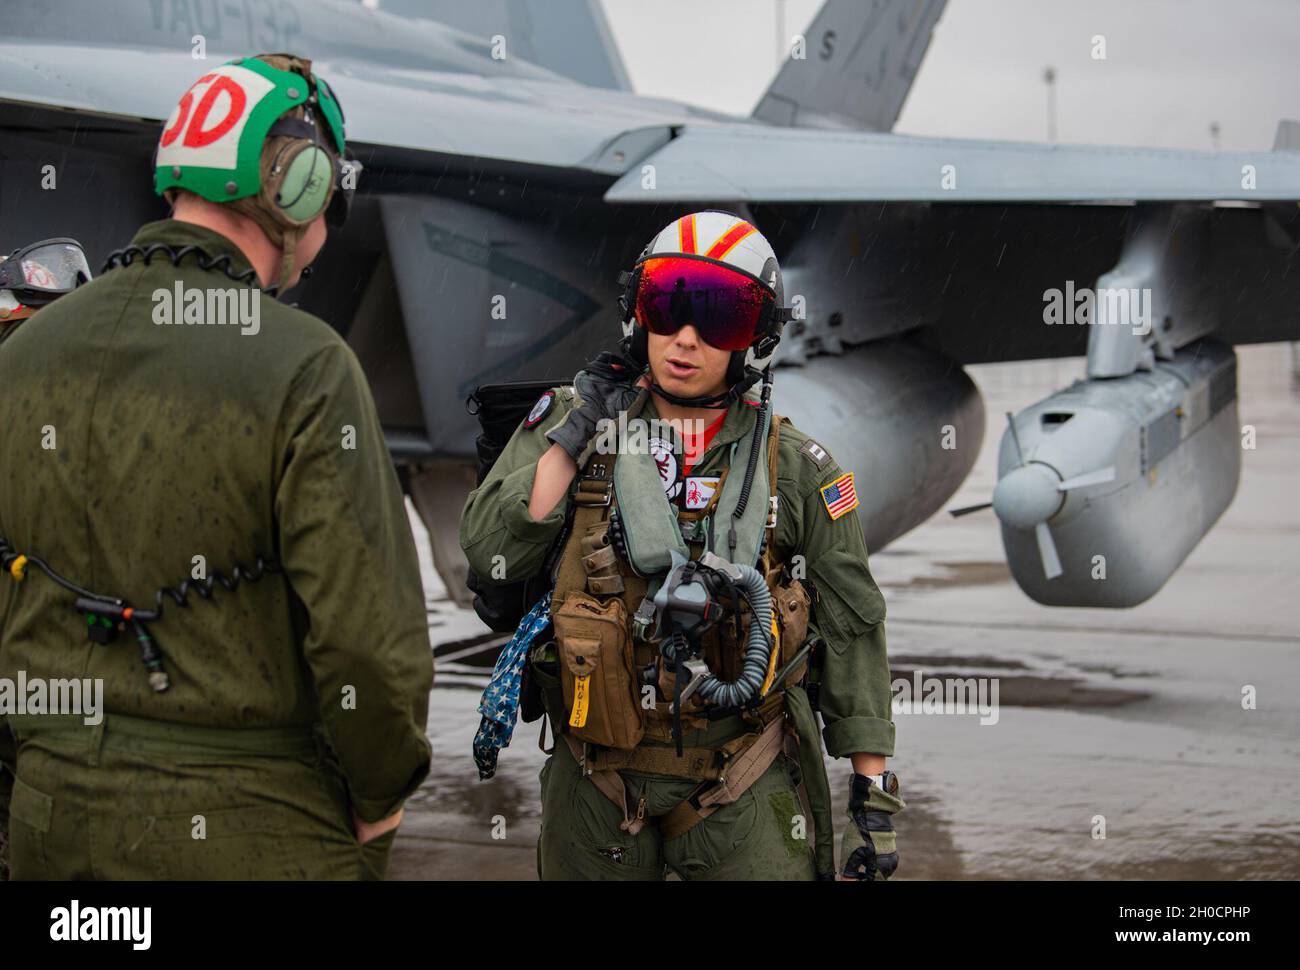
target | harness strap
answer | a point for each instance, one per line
(730, 775)
(699, 764)
(744, 771)
(595, 567)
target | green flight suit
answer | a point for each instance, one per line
(9, 328)
(131, 446)
(751, 838)
(7, 746)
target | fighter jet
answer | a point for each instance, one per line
(511, 173)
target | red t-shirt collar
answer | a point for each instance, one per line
(688, 444)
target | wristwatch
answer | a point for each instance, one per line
(886, 781)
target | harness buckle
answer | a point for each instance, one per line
(772, 503)
(586, 494)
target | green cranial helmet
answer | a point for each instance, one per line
(265, 135)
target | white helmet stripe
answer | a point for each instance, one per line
(718, 235)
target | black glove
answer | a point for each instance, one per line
(869, 848)
(605, 388)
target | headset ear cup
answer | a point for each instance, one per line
(304, 184)
(635, 344)
(627, 302)
(736, 367)
(638, 346)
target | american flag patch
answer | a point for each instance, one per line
(840, 496)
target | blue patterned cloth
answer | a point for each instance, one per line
(500, 703)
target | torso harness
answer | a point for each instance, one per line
(651, 632)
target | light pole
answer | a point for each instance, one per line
(1049, 78)
(780, 32)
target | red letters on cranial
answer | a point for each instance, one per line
(170, 134)
(196, 136)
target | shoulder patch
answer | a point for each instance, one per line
(840, 497)
(540, 410)
(815, 453)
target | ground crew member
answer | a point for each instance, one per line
(37, 275)
(30, 278)
(695, 583)
(171, 424)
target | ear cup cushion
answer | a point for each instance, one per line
(639, 346)
(305, 186)
(735, 368)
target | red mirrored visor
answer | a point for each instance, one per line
(723, 304)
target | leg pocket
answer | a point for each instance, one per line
(30, 812)
(241, 842)
(760, 836)
(716, 841)
(581, 838)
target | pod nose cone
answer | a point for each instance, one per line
(1027, 496)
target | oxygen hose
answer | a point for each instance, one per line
(758, 649)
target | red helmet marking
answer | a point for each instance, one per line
(728, 240)
(686, 234)
(196, 136)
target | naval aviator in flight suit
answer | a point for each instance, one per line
(649, 825)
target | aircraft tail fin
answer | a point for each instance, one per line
(859, 64)
(1287, 138)
(569, 37)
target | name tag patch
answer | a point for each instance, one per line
(700, 489)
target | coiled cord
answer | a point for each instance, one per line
(113, 610)
(205, 587)
(127, 256)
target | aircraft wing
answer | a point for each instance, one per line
(751, 163)
(531, 120)
(570, 37)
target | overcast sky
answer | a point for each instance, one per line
(1172, 66)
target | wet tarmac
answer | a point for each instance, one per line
(1134, 717)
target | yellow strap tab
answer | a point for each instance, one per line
(776, 655)
(581, 700)
(18, 569)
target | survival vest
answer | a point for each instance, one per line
(615, 702)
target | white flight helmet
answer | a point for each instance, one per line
(722, 239)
